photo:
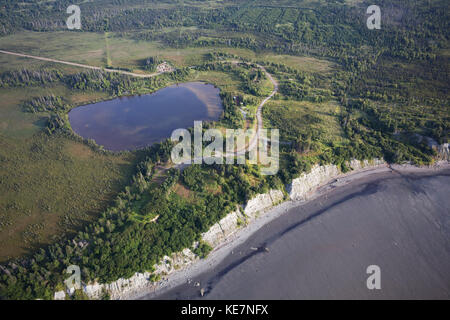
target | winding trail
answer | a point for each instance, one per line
(151, 75)
(260, 125)
(254, 141)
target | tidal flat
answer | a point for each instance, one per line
(397, 220)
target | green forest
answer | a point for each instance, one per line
(360, 94)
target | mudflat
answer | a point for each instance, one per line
(399, 221)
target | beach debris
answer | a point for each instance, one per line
(197, 284)
(254, 249)
(202, 292)
(266, 249)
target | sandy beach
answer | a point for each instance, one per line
(243, 262)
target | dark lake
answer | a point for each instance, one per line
(135, 122)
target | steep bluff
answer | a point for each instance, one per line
(300, 189)
(443, 152)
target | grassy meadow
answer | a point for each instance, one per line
(50, 186)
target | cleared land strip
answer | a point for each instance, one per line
(82, 65)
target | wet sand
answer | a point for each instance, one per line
(320, 249)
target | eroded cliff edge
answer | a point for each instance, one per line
(301, 189)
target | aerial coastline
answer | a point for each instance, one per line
(184, 150)
(185, 277)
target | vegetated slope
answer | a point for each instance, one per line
(387, 89)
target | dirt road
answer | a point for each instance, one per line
(81, 65)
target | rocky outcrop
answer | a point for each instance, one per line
(60, 295)
(303, 186)
(175, 262)
(231, 223)
(222, 230)
(443, 152)
(319, 175)
(262, 202)
(219, 232)
(139, 281)
(119, 287)
(214, 235)
(277, 196)
(256, 204)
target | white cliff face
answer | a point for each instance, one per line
(307, 182)
(219, 232)
(175, 262)
(60, 295)
(303, 186)
(119, 287)
(258, 203)
(231, 223)
(213, 236)
(262, 202)
(222, 229)
(123, 287)
(358, 164)
(277, 196)
(444, 153)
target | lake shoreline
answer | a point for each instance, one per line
(182, 276)
(128, 123)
